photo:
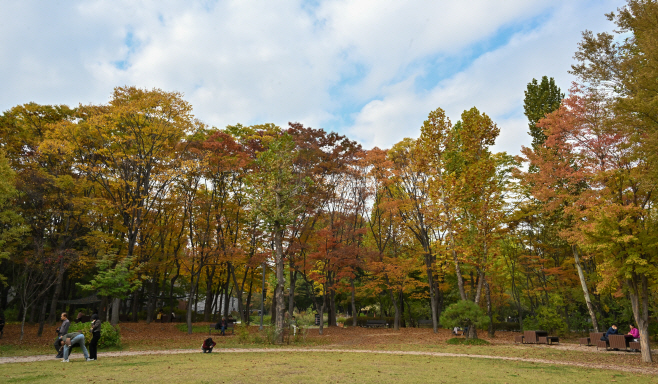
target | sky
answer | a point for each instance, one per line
(371, 70)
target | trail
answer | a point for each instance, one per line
(78, 356)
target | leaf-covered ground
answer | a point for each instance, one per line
(157, 336)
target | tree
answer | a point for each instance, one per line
(464, 313)
(274, 188)
(11, 223)
(114, 279)
(540, 100)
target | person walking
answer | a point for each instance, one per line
(71, 339)
(61, 331)
(95, 336)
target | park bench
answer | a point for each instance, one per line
(634, 345)
(375, 324)
(230, 326)
(548, 340)
(519, 339)
(593, 337)
(539, 337)
(425, 323)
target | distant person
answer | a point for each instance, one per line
(159, 315)
(61, 331)
(293, 324)
(71, 339)
(455, 331)
(79, 317)
(611, 331)
(2, 323)
(222, 325)
(208, 345)
(95, 336)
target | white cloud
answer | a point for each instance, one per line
(254, 61)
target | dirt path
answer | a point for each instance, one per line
(28, 359)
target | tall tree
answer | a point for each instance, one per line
(540, 100)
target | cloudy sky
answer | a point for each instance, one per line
(369, 69)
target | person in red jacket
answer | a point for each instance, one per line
(208, 345)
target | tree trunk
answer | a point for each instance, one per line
(116, 305)
(583, 283)
(135, 304)
(188, 312)
(321, 312)
(396, 321)
(23, 325)
(332, 308)
(58, 290)
(639, 294)
(354, 313)
(291, 295)
(251, 286)
(207, 307)
(42, 315)
(280, 281)
(153, 298)
(430, 281)
(489, 313)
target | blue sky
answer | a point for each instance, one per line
(370, 69)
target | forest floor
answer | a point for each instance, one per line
(142, 338)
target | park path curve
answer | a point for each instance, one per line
(647, 370)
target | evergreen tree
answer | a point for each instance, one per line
(540, 100)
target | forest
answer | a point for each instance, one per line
(138, 205)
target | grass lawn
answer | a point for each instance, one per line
(306, 367)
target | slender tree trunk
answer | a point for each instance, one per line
(639, 294)
(207, 308)
(251, 286)
(280, 281)
(58, 290)
(291, 296)
(23, 324)
(353, 294)
(332, 308)
(42, 315)
(116, 306)
(139, 293)
(487, 292)
(153, 298)
(396, 321)
(583, 284)
(188, 312)
(321, 312)
(430, 281)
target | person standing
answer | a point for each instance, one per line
(61, 331)
(95, 336)
(71, 339)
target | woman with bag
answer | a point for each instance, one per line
(95, 336)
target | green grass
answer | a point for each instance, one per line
(307, 367)
(460, 341)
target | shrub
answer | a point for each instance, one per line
(546, 319)
(242, 330)
(464, 313)
(460, 341)
(110, 336)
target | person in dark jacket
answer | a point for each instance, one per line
(95, 336)
(61, 331)
(611, 331)
(208, 345)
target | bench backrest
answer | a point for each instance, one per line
(618, 341)
(593, 336)
(530, 337)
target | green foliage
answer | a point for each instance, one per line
(510, 327)
(460, 341)
(547, 319)
(540, 100)
(11, 223)
(242, 331)
(361, 320)
(114, 281)
(464, 313)
(110, 336)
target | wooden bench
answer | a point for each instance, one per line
(634, 346)
(593, 337)
(548, 340)
(375, 324)
(230, 326)
(601, 344)
(425, 323)
(519, 339)
(620, 342)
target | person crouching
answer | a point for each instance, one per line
(208, 345)
(71, 339)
